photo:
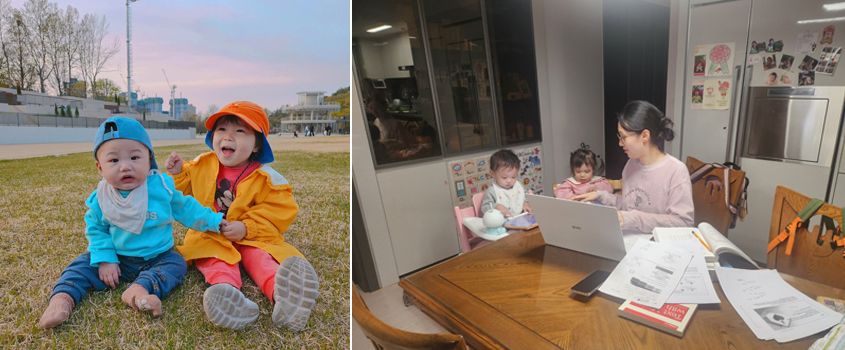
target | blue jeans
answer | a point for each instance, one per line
(158, 275)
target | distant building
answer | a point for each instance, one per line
(134, 98)
(310, 110)
(191, 109)
(180, 105)
(153, 104)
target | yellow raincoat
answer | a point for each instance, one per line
(264, 203)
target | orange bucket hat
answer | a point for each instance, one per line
(249, 112)
(254, 116)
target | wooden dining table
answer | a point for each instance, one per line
(514, 294)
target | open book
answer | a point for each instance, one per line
(716, 247)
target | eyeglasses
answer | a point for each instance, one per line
(618, 135)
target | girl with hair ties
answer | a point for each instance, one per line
(657, 191)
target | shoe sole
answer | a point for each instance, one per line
(227, 307)
(295, 293)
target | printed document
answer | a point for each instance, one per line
(771, 307)
(648, 274)
(695, 286)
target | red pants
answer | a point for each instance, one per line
(259, 264)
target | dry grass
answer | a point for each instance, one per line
(42, 231)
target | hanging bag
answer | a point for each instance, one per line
(715, 202)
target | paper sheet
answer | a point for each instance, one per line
(695, 286)
(806, 42)
(771, 307)
(648, 274)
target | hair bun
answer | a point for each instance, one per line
(666, 133)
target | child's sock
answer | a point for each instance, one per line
(138, 298)
(59, 310)
(226, 306)
(295, 293)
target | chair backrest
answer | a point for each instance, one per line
(616, 184)
(709, 191)
(818, 263)
(464, 234)
(383, 336)
(476, 203)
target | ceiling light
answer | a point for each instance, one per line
(379, 28)
(834, 6)
(822, 20)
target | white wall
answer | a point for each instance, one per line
(568, 45)
(10, 135)
(678, 25)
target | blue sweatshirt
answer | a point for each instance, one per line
(106, 241)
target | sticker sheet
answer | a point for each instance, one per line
(828, 60)
(469, 176)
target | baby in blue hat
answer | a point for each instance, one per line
(128, 226)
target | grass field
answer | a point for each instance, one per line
(42, 231)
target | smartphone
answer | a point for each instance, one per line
(590, 284)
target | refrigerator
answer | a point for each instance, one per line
(779, 132)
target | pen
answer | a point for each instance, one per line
(702, 241)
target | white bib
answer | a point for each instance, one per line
(513, 198)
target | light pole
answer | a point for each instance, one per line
(129, 53)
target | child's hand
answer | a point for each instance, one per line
(109, 274)
(504, 210)
(621, 220)
(174, 164)
(527, 208)
(234, 231)
(223, 224)
(586, 197)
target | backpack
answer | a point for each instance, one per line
(712, 198)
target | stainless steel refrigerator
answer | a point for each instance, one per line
(778, 132)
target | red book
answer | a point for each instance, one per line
(671, 318)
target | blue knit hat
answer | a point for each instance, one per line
(124, 128)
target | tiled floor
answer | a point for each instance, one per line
(387, 305)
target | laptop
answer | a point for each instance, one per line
(584, 227)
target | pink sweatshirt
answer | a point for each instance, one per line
(572, 187)
(657, 195)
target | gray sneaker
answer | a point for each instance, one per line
(294, 293)
(226, 306)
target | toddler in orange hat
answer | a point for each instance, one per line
(235, 179)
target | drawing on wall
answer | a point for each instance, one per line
(828, 60)
(787, 78)
(806, 42)
(827, 35)
(697, 94)
(769, 62)
(786, 62)
(807, 78)
(717, 94)
(720, 56)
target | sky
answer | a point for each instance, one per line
(217, 52)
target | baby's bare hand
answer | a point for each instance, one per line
(109, 274)
(174, 164)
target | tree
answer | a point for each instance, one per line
(95, 54)
(63, 111)
(145, 115)
(197, 119)
(39, 17)
(212, 108)
(76, 111)
(18, 56)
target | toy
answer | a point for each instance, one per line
(494, 219)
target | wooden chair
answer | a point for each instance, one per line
(708, 195)
(383, 336)
(809, 260)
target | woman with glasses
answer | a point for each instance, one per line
(657, 191)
